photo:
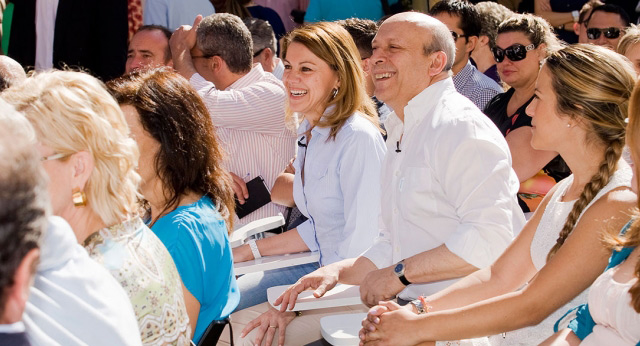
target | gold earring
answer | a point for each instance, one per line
(79, 198)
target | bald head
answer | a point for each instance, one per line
(11, 72)
(437, 36)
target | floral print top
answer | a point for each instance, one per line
(139, 261)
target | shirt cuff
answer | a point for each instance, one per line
(380, 254)
(477, 249)
(307, 233)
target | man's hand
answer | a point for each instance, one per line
(380, 285)
(184, 38)
(389, 324)
(321, 280)
(267, 324)
(239, 188)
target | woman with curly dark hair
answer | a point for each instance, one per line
(188, 195)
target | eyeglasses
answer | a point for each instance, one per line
(456, 36)
(258, 52)
(514, 52)
(57, 156)
(611, 33)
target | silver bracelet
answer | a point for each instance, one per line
(254, 249)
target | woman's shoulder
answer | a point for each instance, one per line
(358, 125)
(200, 216)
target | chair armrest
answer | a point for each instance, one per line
(240, 235)
(341, 295)
(275, 262)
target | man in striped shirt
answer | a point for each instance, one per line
(246, 103)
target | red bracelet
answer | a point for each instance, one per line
(425, 304)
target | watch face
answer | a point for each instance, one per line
(398, 268)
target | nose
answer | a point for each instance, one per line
(601, 41)
(133, 63)
(377, 57)
(530, 110)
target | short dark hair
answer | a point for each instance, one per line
(226, 36)
(190, 156)
(23, 195)
(163, 29)
(469, 17)
(611, 8)
(362, 31)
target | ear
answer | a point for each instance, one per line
(18, 293)
(471, 43)
(482, 41)
(215, 63)
(438, 62)
(83, 165)
(576, 28)
(366, 67)
(267, 54)
(542, 51)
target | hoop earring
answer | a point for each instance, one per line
(79, 198)
(335, 92)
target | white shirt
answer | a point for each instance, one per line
(174, 13)
(46, 11)
(74, 300)
(452, 184)
(278, 71)
(250, 124)
(341, 192)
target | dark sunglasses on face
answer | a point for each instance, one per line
(611, 33)
(514, 52)
(456, 36)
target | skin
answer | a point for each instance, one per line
(267, 58)
(542, 8)
(603, 20)
(153, 190)
(464, 45)
(522, 75)
(16, 295)
(148, 49)
(482, 55)
(633, 54)
(491, 295)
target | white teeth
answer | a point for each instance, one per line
(298, 92)
(382, 75)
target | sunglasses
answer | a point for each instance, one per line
(611, 33)
(514, 52)
(456, 36)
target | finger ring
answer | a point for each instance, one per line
(273, 326)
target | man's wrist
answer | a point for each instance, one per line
(399, 270)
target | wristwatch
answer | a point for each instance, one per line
(399, 271)
(419, 306)
(576, 15)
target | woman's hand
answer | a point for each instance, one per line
(267, 324)
(389, 324)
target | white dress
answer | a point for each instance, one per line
(553, 218)
(617, 323)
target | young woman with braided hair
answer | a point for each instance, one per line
(613, 314)
(579, 111)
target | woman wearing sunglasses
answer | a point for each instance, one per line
(579, 110)
(523, 41)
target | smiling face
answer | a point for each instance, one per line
(309, 81)
(603, 20)
(147, 49)
(519, 73)
(398, 64)
(547, 125)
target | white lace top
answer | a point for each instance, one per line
(610, 306)
(553, 218)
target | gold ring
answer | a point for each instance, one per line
(273, 326)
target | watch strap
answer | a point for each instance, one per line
(254, 249)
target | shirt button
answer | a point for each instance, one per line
(395, 210)
(397, 174)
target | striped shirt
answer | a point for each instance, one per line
(476, 86)
(250, 124)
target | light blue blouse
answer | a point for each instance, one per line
(196, 237)
(341, 193)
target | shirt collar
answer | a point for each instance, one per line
(324, 131)
(12, 328)
(253, 76)
(422, 104)
(464, 75)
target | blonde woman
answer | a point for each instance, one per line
(629, 46)
(579, 109)
(90, 159)
(337, 170)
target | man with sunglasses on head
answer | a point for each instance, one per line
(606, 25)
(463, 20)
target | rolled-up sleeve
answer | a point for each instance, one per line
(484, 197)
(380, 253)
(308, 234)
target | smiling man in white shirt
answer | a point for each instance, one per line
(448, 190)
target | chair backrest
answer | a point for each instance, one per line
(213, 332)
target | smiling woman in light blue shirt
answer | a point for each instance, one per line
(337, 169)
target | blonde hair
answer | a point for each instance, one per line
(592, 84)
(632, 236)
(73, 112)
(333, 44)
(631, 37)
